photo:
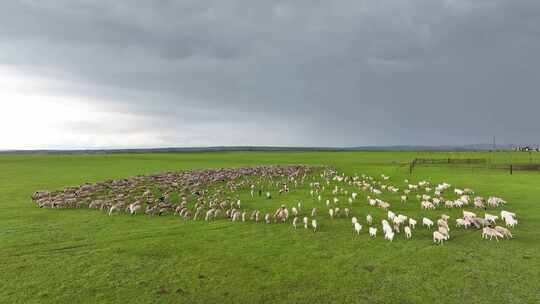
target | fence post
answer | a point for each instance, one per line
(511, 169)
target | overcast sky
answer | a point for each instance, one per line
(109, 74)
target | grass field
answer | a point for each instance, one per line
(83, 256)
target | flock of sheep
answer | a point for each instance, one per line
(215, 194)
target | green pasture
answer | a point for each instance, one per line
(85, 256)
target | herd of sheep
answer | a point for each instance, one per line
(216, 194)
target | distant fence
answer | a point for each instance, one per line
(474, 162)
(451, 161)
(516, 167)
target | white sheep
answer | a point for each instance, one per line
(403, 198)
(427, 222)
(490, 217)
(408, 232)
(389, 235)
(357, 228)
(314, 225)
(412, 223)
(444, 231)
(490, 232)
(468, 214)
(369, 219)
(462, 223)
(354, 220)
(295, 222)
(505, 232)
(306, 222)
(372, 231)
(438, 237)
(511, 222)
(443, 223)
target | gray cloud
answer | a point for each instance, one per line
(288, 72)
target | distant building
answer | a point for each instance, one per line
(527, 149)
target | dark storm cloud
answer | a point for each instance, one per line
(291, 72)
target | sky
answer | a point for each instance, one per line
(90, 74)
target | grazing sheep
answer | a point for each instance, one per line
(508, 218)
(116, 208)
(491, 233)
(490, 218)
(495, 201)
(505, 232)
(337, 212)
(462, 223)
(295, 222)
(408, 232)
(306, 222)
(209, 215)
(268, 218)
(134, 208)
(389, 235)
(468, 214)
(404, 198)
(314, 225)
(427, 222)
(438, 237)
(384, 205)
(412, 223)
(331, 212)
(369, 219)
(354, 220)
(511, 222)
(372, 231)
(427, 205)
(444, 231)
(386, 226)
(294, 211)
(507, 214)
(357, 228)
(313, 212)
(443, 223)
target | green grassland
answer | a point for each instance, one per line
(84, 256)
